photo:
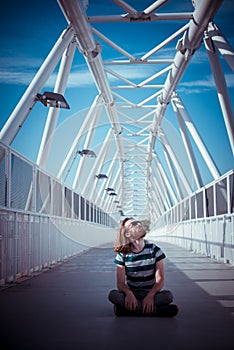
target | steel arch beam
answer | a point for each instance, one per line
(204, 11)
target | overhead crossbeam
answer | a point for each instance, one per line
(135, 105)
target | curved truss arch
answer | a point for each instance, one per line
(135, 150)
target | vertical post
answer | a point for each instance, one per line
(8, 178)
(49, 239)
(52, 196)
(72, 205)
(214, 199)
(228, 195)
(40, 244)
(63, 200)
(15, 247)
(31, 221)
(34, 189)
(204, 203)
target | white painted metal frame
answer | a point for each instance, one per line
(135, 136)
(23, 108)
(53, 114)
(220, 82)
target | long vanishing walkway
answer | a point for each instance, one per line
(67, 307)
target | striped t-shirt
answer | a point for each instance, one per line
(140, 267)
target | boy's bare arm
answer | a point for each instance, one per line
(130, 300)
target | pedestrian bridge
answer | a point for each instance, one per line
(67, 306)
(154, 143)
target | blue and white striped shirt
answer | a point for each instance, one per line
(140, 267)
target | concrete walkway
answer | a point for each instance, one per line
(67, 307)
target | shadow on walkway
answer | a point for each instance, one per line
(67, 307)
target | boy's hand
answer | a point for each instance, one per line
(130, 301)
(148, 304)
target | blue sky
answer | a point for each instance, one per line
(29, 32)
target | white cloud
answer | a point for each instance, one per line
(15, 78)
(18, 70)
(21, 71)
(9, 62)
(198, 86)
(80, 78)
(207, 82)
(133, 72)
(229, 80)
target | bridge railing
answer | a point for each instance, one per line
(42, 221)
(25, 187)
(203, 222)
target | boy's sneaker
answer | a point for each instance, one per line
(121, 311)
(161, 311)
(170, 310)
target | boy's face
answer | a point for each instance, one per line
(135, 230)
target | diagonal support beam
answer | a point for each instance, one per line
(23, 108)
(76, 16)
(68, 161)
(88, 141)
(221, 87)
(191, 41)
(177, 104)
(53, 113)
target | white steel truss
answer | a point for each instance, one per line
(142, 183)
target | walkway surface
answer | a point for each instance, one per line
(67, 307)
